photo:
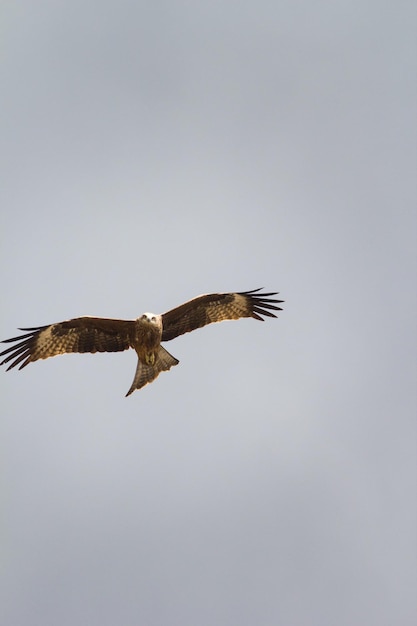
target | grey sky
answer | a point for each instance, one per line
(155, 151)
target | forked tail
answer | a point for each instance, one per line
(147, 373)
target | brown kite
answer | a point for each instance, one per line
(144, 334)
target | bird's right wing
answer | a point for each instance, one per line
(82, 334)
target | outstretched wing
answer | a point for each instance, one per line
(82, 334)
(216, 307)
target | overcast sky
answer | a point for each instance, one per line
(154, 151)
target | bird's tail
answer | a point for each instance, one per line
(147, 373)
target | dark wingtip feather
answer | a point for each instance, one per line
(262, 303)
(20, 351)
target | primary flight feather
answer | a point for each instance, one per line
(144, 334)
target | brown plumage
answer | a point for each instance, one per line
(144, 334)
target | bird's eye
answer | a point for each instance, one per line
(154, 318)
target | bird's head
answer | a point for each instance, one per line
(151, 318)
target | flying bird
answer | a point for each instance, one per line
(144, 334)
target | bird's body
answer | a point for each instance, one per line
(144, 334)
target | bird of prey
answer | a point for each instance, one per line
(144, 334)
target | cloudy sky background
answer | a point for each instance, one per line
(153, 151)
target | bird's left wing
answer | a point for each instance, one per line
(216, 307)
